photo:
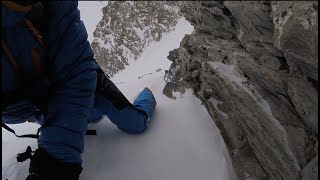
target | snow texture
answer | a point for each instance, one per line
(215, 103)
(182, 142)
(91, 14)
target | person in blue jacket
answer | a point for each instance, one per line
(67, 94)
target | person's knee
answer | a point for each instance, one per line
(136, 125)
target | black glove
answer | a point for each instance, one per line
(44, 167)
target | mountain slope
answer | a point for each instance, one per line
(254, 64)
(127, 27)
(182, 143)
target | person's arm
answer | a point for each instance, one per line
(72, 72)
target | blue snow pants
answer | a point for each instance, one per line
(129, 119)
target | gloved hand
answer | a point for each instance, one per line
(44, 167)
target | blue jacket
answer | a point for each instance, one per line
(72, 73)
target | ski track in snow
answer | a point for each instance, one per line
(182, 142)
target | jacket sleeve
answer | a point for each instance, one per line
(72, 72)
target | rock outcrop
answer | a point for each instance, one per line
(255, 67)
(127, 28)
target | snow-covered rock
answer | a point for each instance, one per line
(255, 67)
(127, 27)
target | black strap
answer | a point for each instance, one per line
(91, 132)
(36, 136)
(106, 88)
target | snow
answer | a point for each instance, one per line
(182, 142)
(155, 55)
(91, 14)
(215, 103)
(139, 32)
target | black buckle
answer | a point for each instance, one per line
(24, 156)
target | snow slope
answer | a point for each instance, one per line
(182, 143)
(91, 14)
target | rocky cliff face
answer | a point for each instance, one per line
(255, 67)
(129, 26)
